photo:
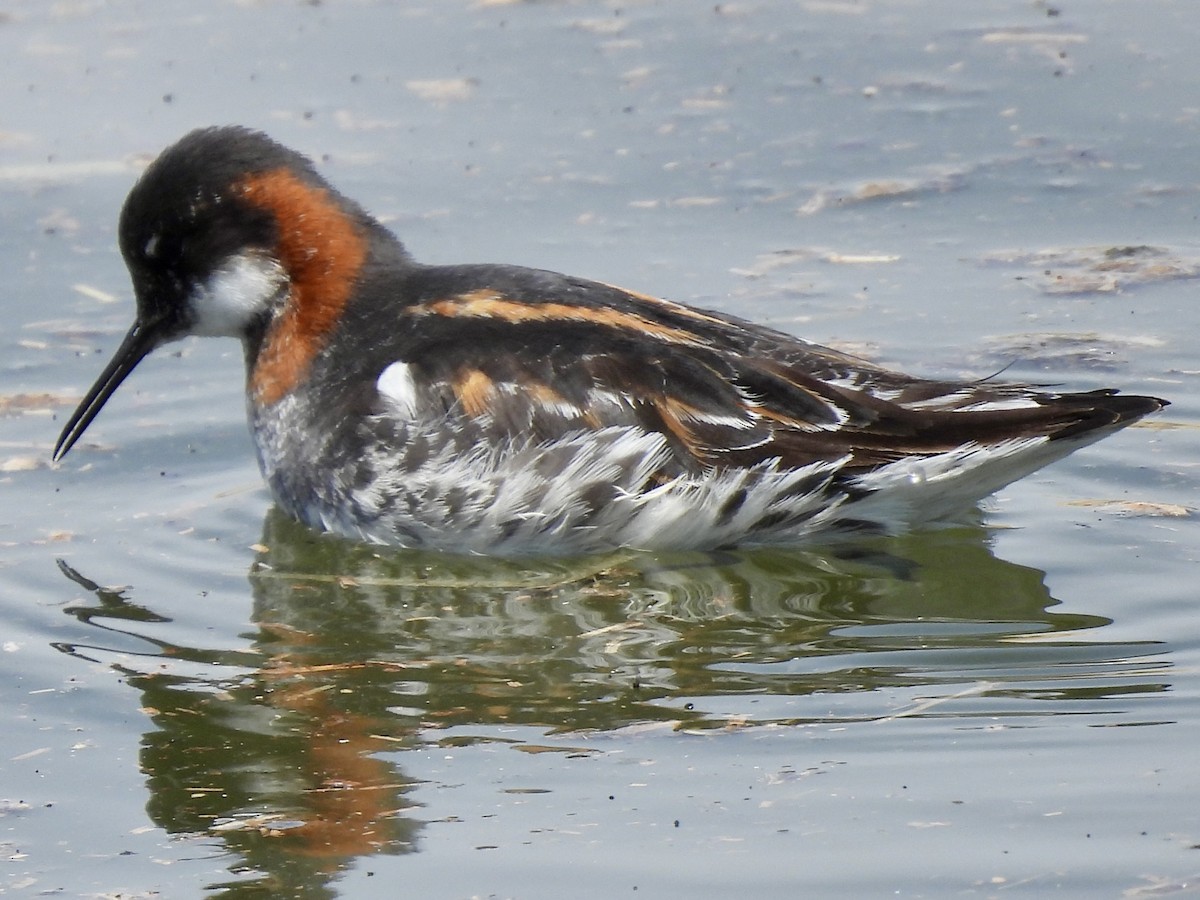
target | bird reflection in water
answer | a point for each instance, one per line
(289, 750)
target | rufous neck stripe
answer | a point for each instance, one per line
(323, 252)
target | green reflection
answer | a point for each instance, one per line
(285, 755)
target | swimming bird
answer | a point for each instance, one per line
(498, 409)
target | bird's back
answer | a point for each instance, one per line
(516, 410)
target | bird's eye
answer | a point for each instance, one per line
(163, 249)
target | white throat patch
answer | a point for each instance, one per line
(234, 294)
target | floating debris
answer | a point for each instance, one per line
(442, 90)
(1098, 270)
(20, 404)
(1128, 508)
(938, 181)
(765, 263)
(94, 293)
(1021, 36)
(1092, 350)
(58, 172)
(22, 464)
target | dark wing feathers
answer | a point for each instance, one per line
(533, 354)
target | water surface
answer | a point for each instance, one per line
(204, 699)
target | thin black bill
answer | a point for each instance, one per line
(138, 342)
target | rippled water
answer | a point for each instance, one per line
(204, 699)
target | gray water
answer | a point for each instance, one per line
(203, 699)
